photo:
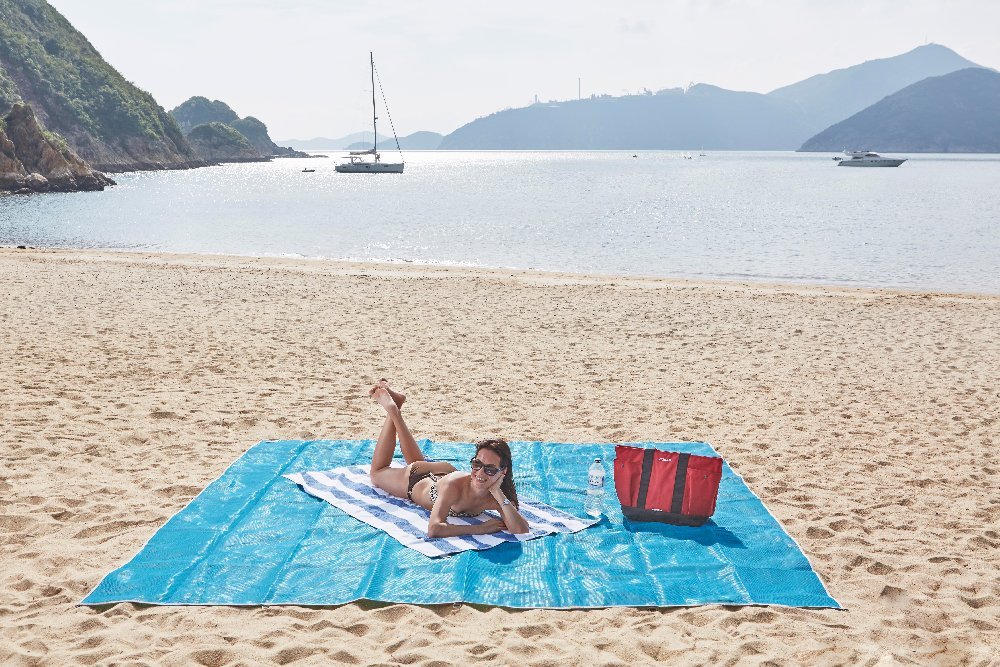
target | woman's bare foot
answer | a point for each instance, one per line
(381, 396)
(397, 398)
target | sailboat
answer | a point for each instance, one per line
(360, 163)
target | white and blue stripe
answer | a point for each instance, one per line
(350, 489)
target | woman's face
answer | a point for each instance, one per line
(490, 459)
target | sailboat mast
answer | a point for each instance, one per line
(371, 55)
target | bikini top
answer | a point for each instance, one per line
(433, 492)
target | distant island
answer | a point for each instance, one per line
(705, 116)
(332, 144)
(702, 116)
(418, 141)
(829, 98)
(218, 134)
(699, 117)
(954, 113)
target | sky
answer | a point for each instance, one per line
(301, 66)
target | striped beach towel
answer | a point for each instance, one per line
(350, 489)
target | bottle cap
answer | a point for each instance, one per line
(597, 460)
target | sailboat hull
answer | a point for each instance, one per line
(370, 168)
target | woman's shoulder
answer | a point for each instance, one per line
(453, 478)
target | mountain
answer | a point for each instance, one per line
(418, 141)
(327, 144)
(829, 98)
(704, 116)
(107, 121)
(954, 113)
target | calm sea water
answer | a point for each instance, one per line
(933, 223)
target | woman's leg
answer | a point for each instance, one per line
(393, 480)
(397, 480)
(407, 444)
(385, 446)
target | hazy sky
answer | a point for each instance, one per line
(301, 66)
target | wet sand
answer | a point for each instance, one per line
(865, 419)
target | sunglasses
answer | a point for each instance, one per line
(490, 470)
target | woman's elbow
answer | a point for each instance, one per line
(433, 530)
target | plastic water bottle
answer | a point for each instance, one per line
(594, 503)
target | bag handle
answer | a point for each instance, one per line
(680, 481)
(647, 472)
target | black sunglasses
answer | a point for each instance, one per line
(489, 469)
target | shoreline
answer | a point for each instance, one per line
(864, 420)
(457, 270)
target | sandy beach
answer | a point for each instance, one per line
(866, 420)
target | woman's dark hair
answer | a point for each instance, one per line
(500, 447)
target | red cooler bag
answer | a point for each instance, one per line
(654, 485)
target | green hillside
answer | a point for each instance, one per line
(218, 142)
(200, 110)
(108, 121)
(256, 133)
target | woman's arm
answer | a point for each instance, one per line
(516, 523)
(438, 526)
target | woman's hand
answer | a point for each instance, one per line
(494, 488)
(511, 516)
(492, 526)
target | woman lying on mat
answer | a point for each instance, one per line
(437, 485)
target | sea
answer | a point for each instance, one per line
(931, 224)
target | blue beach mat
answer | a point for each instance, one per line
(253, 537)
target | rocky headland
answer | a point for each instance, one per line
(106, 120)
(34, 160)
(218, 142)
(214, 130)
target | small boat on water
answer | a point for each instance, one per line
(867, 159)
(359, 162)
(307, 170)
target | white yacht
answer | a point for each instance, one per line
(360, 165)
(359, 162)
(867, 159)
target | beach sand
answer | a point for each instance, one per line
(864, 419)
